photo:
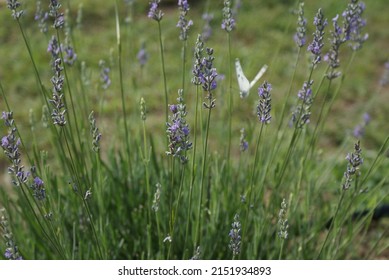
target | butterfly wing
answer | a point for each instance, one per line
(244, 84)
(258, 76)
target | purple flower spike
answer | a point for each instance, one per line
(178, 131)
(154, 12)
(228, 23)
(264, 104)
(317, 44)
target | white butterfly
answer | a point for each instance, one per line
(244, 84)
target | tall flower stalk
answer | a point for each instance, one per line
(198, 56)
(146, 161)
(228, 24)
(184, 24)
(352, 173)
(206, 75)
(264, 117)
(119, 57)
(156, 14)
(179, 143)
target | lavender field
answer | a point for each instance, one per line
(229, 129)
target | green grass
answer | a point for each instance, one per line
(199, 199)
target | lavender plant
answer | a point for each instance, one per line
(88, 196)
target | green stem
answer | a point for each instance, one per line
(125, 125)
(332, 224)
(193, 171)
(199, 216)
(251, 182)
(229, 102)
(163, 71)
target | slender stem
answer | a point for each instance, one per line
(251, 182)
(125, 125)
(183, 65)
(289, 91)
(163, 71)
(229, 102)
(86, 206)
(146, 160)
(199, 216)
(332, 224)
(193, 170)
(282, 247)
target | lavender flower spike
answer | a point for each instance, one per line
(282, 221)
(208, 77)
(317, 44)
(354, 161)
(178, 130)
(198, 56)
(235, 237)
(302, 114)
(183, 23)
(42, 17)
(353, 24)
(59, 18)
(228, 23)
(154, 12)
(264, 104)
(207, 29)
(11, 251)
(333, 55)
(58, 113)
(10, 145)
(244, 145)
(96, 135)
(300, 38)
(142, 56)
(14, 6)
(104, 77)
